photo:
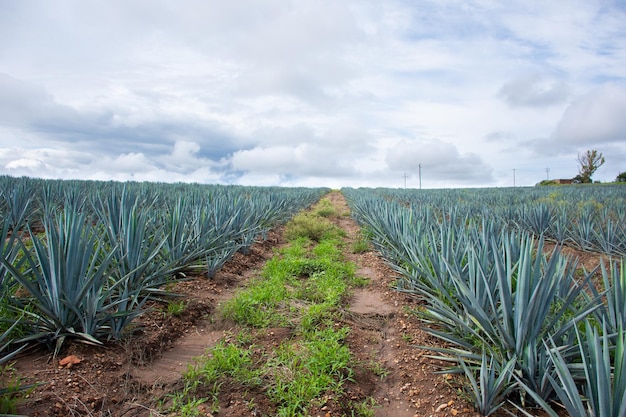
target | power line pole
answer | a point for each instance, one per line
(405, 179)
(420, 174)
(547, 173)
(513, 177)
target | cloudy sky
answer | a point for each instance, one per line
(471, 93)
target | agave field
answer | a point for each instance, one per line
(80, 259)
(525, 326)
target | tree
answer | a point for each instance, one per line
(621, 177)
(589, 162)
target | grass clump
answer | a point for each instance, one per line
(202, 381)
(325, 209)
(304, 371)
(361, 245)
(256, 306)
(228, 359)
(313, 227)
(315, 316)
(176, 308)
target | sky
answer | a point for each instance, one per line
(349, 93)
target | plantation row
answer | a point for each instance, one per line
(525, 327)
(592, 218)
(81, 258)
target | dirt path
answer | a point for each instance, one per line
(128, 379)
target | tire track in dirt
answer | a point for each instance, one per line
(173, 362)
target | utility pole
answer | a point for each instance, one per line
(420, 174)
(547, 173)
(513, 177)
(405, 179)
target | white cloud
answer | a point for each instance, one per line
(25, 165)
(594, 118)
(127, 164)
(534, 91)
(440, 160)
(300, 161)
(183, 152)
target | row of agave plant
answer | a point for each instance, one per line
(81, 259)
(526, 328)
(589, 217)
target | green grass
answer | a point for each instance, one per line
(365, 408)
(362, 243)
(12, 389)
(300, 273)
(256, 306)
(227, 359)
(378, 368)
(312, 227)
(176, 308)
(325, 209)
(305, 370)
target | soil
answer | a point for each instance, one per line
(133, 377)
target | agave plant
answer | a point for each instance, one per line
(537, 219)
(65, 275)
(597, 386)
(559, 226)
(19, 206)
(9, 251)
(527, 307)
(139, 268)
(6, 352)
(489, 383)
(131, 227)
(182, 247)
(584, 230)
(222, 228)
(494, 292)
(613, 311)
(610, 237)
